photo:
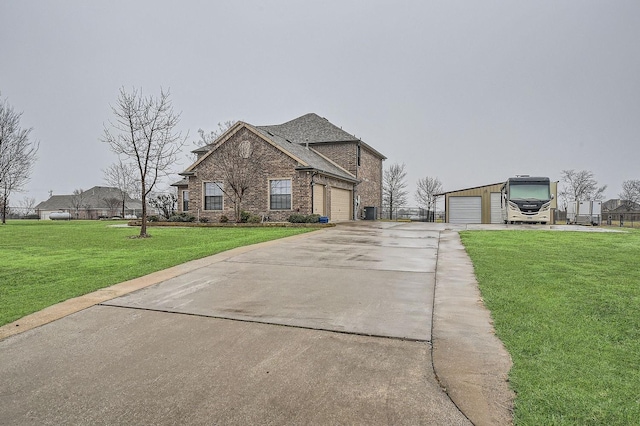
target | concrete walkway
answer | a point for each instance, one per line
(364, 323)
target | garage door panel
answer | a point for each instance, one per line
(340, 204)
(496, 207)
(319, 200)
(465, 209)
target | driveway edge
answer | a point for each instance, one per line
(77, 304)
(469, 361)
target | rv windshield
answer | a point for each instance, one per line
(529, 191)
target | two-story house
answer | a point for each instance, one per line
(306, 165)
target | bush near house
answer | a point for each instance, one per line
(304, 218)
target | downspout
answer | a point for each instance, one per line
(312, 184)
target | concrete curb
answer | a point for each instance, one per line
(469, 361)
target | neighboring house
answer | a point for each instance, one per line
(305, 166)
(93, 203)
(617, 210)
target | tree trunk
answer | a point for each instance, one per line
(143, 227)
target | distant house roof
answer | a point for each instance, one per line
(93, 198)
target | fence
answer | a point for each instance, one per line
(415, 214)
(21, 213)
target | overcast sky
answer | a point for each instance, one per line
(471, 92)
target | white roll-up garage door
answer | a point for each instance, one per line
(340, 204)
(496, 208)
(465, 209)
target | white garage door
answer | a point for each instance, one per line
(465, 209)
(340, 204)
(496, 208)
(318, 200)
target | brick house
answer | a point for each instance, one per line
(306, 165)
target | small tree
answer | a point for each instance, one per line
(239, 164)
(144, 134)
(394, 182)
(165, 204)
(426, 191)
(28, 206)
(630, 194)
(122, 176)
(581, 186)
(208, 138)
(77, 200)
(17, 155)
(112, 204)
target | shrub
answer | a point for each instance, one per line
(244, 216)
(182, 217)
(153, 218)
(254, 219)
(204, 219)
(224, 219)
(304, 218)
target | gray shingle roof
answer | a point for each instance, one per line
(310, 128)
(94, 198)
(311, 157)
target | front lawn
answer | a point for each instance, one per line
(567, 307)
(46, 262)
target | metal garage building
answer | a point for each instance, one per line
(480, 204)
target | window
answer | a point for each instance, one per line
(185, 201)
(213, 196)
(280, 194)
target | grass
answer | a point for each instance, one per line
(567, 307)
(47, 262)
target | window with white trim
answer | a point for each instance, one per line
(213, 195)
(185, 201)
(280, 194)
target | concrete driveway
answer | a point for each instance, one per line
(332, 327)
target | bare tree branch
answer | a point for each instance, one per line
(17, 155)
(426, 191)
(630, 194)
(580, 186)
(394, 183)
(239, 163)
(122, 176)
(143, 132)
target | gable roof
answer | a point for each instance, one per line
(313, 129)
(307, 158)
(93, 198)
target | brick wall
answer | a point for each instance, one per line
(369, 172)
(274, 164)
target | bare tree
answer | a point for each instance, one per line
(580, 186)
(122, 176)
(208, 138)
(112, 204)
(394, 182)
(165, 204)
(144, 134)
(17, 155)
(426, 192)
(77, 200)
(28, 205)
(239, 164)
(630, 194)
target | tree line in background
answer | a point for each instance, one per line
(143, 136)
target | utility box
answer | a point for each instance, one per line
(370, 213)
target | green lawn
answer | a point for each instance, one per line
(567, 307)
(43, 263)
